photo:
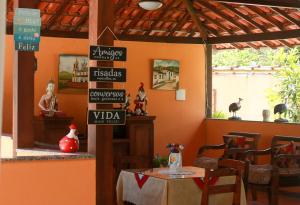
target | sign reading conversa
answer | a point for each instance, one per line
(107, 117)
(108, 53)
(107, 96)
(101, 74)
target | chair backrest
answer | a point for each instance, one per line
(279, 140)
(232, 168)
(251, 138)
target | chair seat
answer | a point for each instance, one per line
(206, 162)
(260, 174)
(289, 171)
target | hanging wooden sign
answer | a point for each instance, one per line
(108, 53)
(107, 117)
(101, 74)
(107, 96)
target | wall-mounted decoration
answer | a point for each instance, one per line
(101, 74)
(107, 117)
(73, 74)
(107, 96)
(108, 53)
(165, 75)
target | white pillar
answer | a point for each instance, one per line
(2, 58)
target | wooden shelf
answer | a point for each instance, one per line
(116, 141)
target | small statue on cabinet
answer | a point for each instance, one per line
(48, 102)
(141, 101)
(125, 106)
(70, 142)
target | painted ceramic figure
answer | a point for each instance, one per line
(141, 101)
(70, 142)
(48, 102)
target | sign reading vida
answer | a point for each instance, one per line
(107, 117)
(108, 53)
(101, 74)
(107, 96)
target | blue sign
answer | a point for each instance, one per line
(27, 38)
(27, 29)
(28, 12)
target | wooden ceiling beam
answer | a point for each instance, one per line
(162, 13)
(180, 24)
(58, 13)
(249, 20)
(161, 39)
(223, 15)
(196, 20)
(82, 20)
(135, 21)
(270, 3)
(256, 37)
(265, 16)
(286, 16)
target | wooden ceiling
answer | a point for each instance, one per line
(226, 23)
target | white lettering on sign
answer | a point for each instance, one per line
(111, 73)
(106, 115)
(111, 53)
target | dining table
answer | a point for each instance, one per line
(164, 186)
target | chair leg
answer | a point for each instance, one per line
(253, 192)
(274, 187)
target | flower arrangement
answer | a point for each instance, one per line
(175, 148)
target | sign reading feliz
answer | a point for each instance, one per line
(27, 29)
(107, 96)
(107, 117)
(101, 74)
(108, 53)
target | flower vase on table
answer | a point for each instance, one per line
(175, 156)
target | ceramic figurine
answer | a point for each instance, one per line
(125, 106)
(70, 142)
(48, 102)
(141, 101)
(175, 156)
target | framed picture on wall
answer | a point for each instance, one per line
(73, 74)
(165, 75)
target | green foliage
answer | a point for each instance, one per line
(219, 115)
(288, 86)
(251, 57)
(159, 161)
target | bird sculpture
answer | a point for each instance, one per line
(281, 109)
(233, 107)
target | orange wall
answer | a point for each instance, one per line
(48, 182)
(177, 121)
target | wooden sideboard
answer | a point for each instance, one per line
(137, 139)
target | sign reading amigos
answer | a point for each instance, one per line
(107, 117)
(108, 53)
(101, 74)
(107, 96)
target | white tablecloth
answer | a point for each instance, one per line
(154, 188)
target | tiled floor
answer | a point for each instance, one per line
(287, 196)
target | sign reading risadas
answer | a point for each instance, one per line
(108, 53)
(107, 117)
(103, 74)
(107, 96)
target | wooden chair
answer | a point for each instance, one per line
(232, 168)
(233, 152)
(266, 177)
